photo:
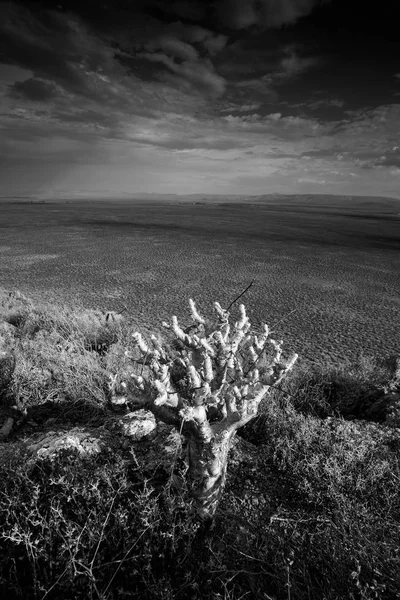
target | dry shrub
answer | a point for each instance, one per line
(337, 391)
(57, 350)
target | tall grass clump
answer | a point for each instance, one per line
(58, 352)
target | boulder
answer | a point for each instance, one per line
(139, 426)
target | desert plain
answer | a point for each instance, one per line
(325, 269)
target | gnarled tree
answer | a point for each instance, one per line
(208, 382)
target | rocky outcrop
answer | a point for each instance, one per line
(137, 432)
(51, 443)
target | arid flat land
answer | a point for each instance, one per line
(333, 260)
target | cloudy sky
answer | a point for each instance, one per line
(199, 96)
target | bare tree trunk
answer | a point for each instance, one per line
(208, 461)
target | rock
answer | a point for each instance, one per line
(118, 401)
(50, 444)
(139, 425)
(119, 404)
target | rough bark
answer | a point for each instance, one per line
(208, 462)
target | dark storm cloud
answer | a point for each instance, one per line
(54, 47)
(213, 14)
(193, 10)
(242, 14)
(204, 40)
(26, 43)
(71, 45)
(37, 90)
(181, 94)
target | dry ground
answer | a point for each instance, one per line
(335, 260)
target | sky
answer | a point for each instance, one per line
(124, 97)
